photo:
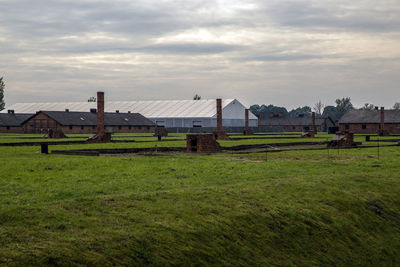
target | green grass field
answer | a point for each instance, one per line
(295, 208)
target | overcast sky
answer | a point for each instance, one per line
(288, 53)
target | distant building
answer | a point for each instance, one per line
(279, 123)
(370, 121)
(165, 113)
(70, 122)
(12, 123)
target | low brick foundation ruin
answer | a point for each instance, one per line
(383, 133)
(342, 139)
(105, 138)
(247, 132)
(202, 143)
(55, 134)
(310, 134)
(221, 135)
(160, 131)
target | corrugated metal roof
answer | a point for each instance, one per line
(13, 119)
(150, 109)
(370, 116)
(90, 119)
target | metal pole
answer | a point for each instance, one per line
(378, 147)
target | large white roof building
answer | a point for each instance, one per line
(168, 113)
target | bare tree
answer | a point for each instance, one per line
(319, 107)
(396, 106)
(368, 106)
(92, 99)
(196, 97)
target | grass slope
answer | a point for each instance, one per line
(297, 208)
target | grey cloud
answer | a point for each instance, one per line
(361, 16)
(283, 57)
(191, 48)
(32, 34)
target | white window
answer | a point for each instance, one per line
(197, 124)
(160, 123)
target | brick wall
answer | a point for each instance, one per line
(370, 128)
(100, 113)
(219, 114)
(299, 128)
(11, 129)
(115, 129)
(41, 123)
(201, 143)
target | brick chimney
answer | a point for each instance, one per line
(246, 120)
(219, 114)
(281, 114)
(261, 117)
(314, 127)
(100, 114)
(382, 118)
(271, 114)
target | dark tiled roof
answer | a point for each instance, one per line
(13, 120)
(90, 118)
(370, 116)
(287, 121)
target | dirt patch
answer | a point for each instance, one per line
(248, 159)
(376, 207)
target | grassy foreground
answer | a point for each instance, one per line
(297, 208)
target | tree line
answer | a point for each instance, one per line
(342, 105)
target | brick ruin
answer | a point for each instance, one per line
(55, 134)
(309, 134)
(219, 134)
(204, 142)
(246, 131)
(161, 132)
(101, 136)
(342, 139)
(313, 131)
(382, 131)
(314, 127)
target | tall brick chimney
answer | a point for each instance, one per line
(100, 114)
(219, 115)
(246, 120)
(314, 127)
(261, 117)
(382, 118)
(271, 114)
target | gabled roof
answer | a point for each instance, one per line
(204, 108)
(370, 116)
(90, 118)
(13, 120)
(288, 121)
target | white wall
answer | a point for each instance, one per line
(205, 122)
